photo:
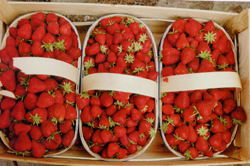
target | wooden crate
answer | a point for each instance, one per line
(157, 18)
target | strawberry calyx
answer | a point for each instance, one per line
(147, 67)
(113, 123)
(223, 121)
(160, 56)
(127, 71)
(119, 104)
(129, 20)
(137, 46)
(205, 55)
(120, 49)
(67, 87)
(129, 58)
(103, 49)
(188, 155)
(138, 70)
(165, 126)
(150, 120)
(236, 121)
(141, 25)
(152, 132)
(128, 104)
(52, 136)
(90, 124)
(196, 112)
(25, 82)
(36, 119)
(22, 153)
(173, 31)
(102, 127)
(223, 66)
(210, 37)
(71, 103)
(170, 121)
(144, 109)
(59, 45)
(84, 95)
(142, 135)
(202, 131)
(143, 38)
(20, 97)
(178, 138)
(55, 120)
(48, 46)
(112, 93)
(177, 110)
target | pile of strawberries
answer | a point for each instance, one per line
(42, 116)
(116, 124)
(198, 121)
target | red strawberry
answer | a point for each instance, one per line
(202, 130)
(221, 44)
(56, 113)
(189, 114)
(38, 34)
(112, 28)
(21, 127)
(205, 107)
(37, 49)
(51, 17)
(172, 140)
(187, 55)
(192, 27)
(217, 126)
(36, 85)
(63, 43)
(5, 119)
(22, 143)
(144, 126)
(128, 34)
(8, 80)
(181, 69)
(24, 48)
(201, 144)
(35, 132)
(181, 132)
(45, 100)
(170, 56)
(53, 28)
(182, 101)
(228, 105)
(35, 23)
(191, 153)
(25, 31)
(37, 116)
(65, 29)
(53, 143)
(182, 42)
(105, 135)
(87, 132)
(86, 115)
(120, 116)
(179, 25)
(209, 27)
(226, 136)
(122, 153)
(37, 150)
(48, 39)
(93, 49)
(172, 38)
(203, 50)
(183, 146)
(134, 26)
(68, 138)
(48, 128)
(238, 115)
(5, 58)
(39, 15)
(13, 31)
(18, 111)
(112, 149)
(215, 140)
(206, 66)
(192, 135)
(119, 95)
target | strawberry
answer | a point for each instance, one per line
(56, 113)
(120, 116)
(8, 80)
(53, 143)
(13, 31)
(48, 128)
(25, 31)
(38, 34)
(18, 111)
(39, 15)
(228, 105)
(181, 69)
(134, 26)
(96, 138)
(48, 39)
(192, 135)
(122, 153)
(201, 144)
(204, 50)
(45, 100)
(22, 143)
(35, 23)
(182, 42)
(221, 44)
(206, 66)
(105, 135)
(217, 126)
(5, 119)
(93, 49)
(192, 27)
(172, 38)
(21, 127)
(37, 150)
(187, 55)
(170, 56)
(215, 140)
(172, 140)
(183, 146)
(238, 115)
(5, 58)
(191, 153)
(209, 27)
(68, 138)
(205, 107)
(182, 100)
(179, 25)
(24, 48)
(202, 130)
(86, 115)
(65, 29)
(10, 41)
(35, 133)
(87, 132)
(63, 43)
(37, 49)
(181, 132)
(226, 136)
(189, 114)
(37, 116)
(112, 149)
(7, 104)
(119, 95)
(222, 62)
(36, 85)
(53, 28)
(230, 57)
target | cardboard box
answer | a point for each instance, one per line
(157, 18)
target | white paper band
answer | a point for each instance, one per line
(7, 94)
(120, 82)
(195, 81)
(48, 66)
